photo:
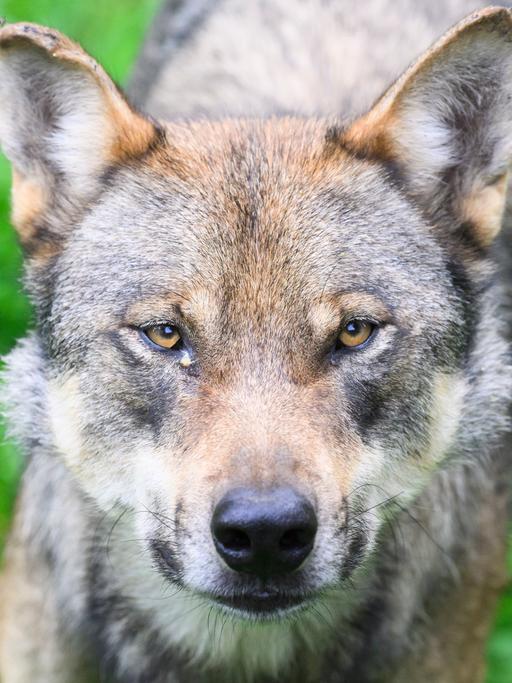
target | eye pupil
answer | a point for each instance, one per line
(167, 330)
(353, 327)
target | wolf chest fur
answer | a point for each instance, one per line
(265, 402)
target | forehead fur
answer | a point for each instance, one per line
(272, 213)
(250, 182)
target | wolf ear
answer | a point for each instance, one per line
(62, 123)
(446, 125)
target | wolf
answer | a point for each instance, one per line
(266, 399)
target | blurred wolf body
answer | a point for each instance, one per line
(265, 402)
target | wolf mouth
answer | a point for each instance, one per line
(262, 604)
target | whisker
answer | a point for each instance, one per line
(321, 618)
(109, 536)
(377, 505)
(158, 517)
(422, 527)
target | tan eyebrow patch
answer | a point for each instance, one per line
(195, 303)
(327, 313)
(361, 302)
(161, 306)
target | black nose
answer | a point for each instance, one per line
(266, 533)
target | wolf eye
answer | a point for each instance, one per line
(355, 333)
(165, 336)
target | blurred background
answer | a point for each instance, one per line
(112, 31)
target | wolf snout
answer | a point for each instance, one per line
(265, 533)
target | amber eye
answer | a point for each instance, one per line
(355, 333)
(166, 336)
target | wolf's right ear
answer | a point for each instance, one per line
(63, 122)
(446, 126)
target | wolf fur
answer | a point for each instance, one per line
(259, 233)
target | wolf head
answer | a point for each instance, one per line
(259, 335)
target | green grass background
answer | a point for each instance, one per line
(111, 30)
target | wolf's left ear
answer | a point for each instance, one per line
(446, 125)
(62, 124)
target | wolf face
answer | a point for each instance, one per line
(258, 273)
(258, 333)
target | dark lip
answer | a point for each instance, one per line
(262, 603)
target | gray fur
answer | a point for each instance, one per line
(100, 415)
(307, 57)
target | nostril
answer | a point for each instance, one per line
(296, 539)
(233, 539)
